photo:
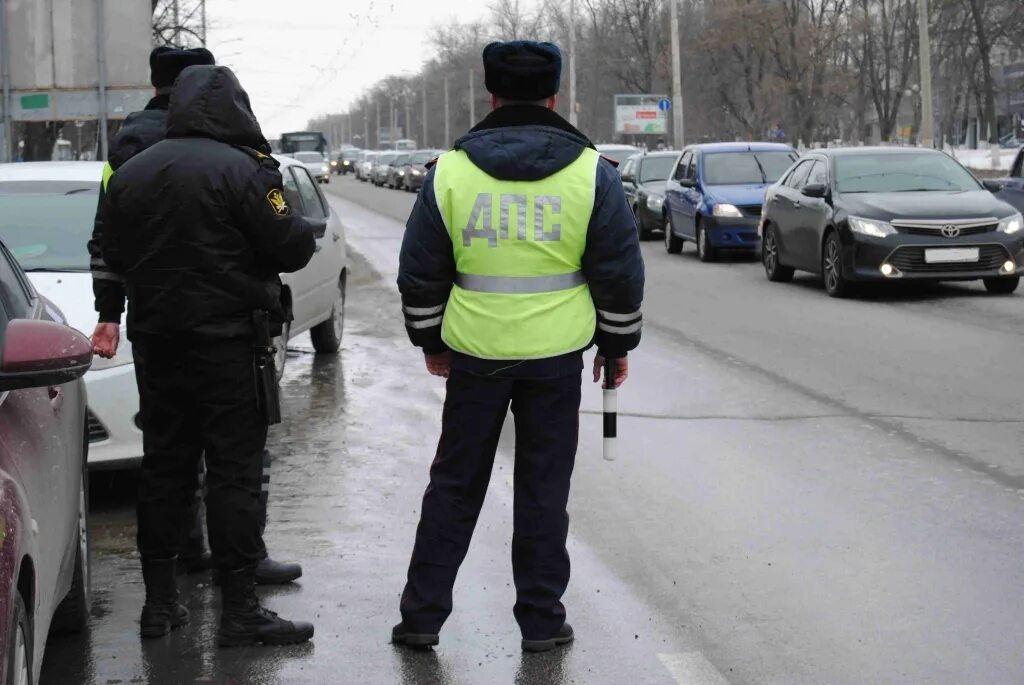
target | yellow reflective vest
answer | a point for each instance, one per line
(519, 291)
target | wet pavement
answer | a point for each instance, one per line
(809, 491)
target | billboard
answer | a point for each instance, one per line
(640, 115)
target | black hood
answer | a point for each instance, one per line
(139, 131)
(209, 102)
(956, 205)
(523, 143)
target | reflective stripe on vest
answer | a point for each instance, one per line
(519, 292)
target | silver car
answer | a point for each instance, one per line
(319, 167)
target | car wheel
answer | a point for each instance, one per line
(72, 614)
(673, 243)
(327, 336)
(776, 272)
(19, 645)
(281, 351)
(643, 232)
(836, 284)
(705, 250)
(1002, 286)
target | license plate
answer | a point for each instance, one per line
(951, 255)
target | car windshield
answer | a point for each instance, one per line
(421, 158)
(350, 154)
(401, 159)
(744, 168)
(371, 158)
(46, 224)
(387, 158)
(656, 168)
(901, 173)
(308, 157)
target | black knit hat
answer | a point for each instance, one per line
(522, 70)
(166, 63)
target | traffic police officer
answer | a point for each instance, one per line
(140, 131)
(521, 251)
(198, 228)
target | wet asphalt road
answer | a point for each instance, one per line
(809, 491)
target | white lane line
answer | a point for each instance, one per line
(691, 668)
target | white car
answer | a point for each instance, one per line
(620, 153)
(318, 166)
(46, 219)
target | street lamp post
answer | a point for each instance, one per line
(447, 116)
(677, 79)
(573, 118)
(927, 137)
(472, 100)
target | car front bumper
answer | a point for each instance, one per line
(413, 181)
(115, 440)
(864, 257)
(728, 233)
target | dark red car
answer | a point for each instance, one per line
(44, 544)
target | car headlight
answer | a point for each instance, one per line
(1011, 224)
(871, 227)
(334, 163)
(654, 202)
(122, 358)
(417, 172)
(324, 168)
(401, 173)
(724, 210)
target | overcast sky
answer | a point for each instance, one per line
(302, 58)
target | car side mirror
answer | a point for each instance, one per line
(319, 227)
(992, 186)
(688, 182)
(818, 190)
(37, 354)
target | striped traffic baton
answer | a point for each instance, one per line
(610, 412)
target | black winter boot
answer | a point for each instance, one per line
(564, 637)
(244, 622)
(161, 614)
(270, 572)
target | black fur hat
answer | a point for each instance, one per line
(166, 63)
(522, 70)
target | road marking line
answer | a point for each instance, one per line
(691, 668)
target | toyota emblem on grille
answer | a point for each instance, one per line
(950, 231)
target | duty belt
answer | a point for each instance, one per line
(520, 285)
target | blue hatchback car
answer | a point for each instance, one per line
(714, 196)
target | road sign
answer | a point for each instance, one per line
(639, 114)
(664, 104)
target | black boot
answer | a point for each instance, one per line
(270, 572)
(564, 637)
(244, 622)
(403, 635)
(161, 613)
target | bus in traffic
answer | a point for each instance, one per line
(304, 141)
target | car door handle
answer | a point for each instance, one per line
(335, 237)
(56, 397)
(796, 203)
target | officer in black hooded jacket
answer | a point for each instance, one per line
(140, 131)
(198, 228)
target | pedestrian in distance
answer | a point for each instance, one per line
(142, 130)
(520, 253)
(198, 228)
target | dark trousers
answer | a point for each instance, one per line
(547, 425)
(193, 537)
(198, 399)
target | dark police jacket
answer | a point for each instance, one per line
(140, 131)
(197, 224)
(526, 143)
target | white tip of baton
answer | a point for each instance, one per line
(611, 401)
(611, 449)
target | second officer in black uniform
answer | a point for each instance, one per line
(198, 228)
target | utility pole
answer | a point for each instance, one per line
(5, 86)
(573, 117)
(202, 18)
(394, 121)
(101, 70)
(408, 121)
(927, 134)
(177, 22)
(472, 100)
(424, 89)
(377, 135)
(366, 128)
(677, 80)
(447, 117)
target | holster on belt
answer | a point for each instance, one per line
(267, 396)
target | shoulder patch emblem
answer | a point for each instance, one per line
(277, 202)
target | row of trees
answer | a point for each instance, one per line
(816, 70)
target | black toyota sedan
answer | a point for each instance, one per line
(883, 214)
(643, 179)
